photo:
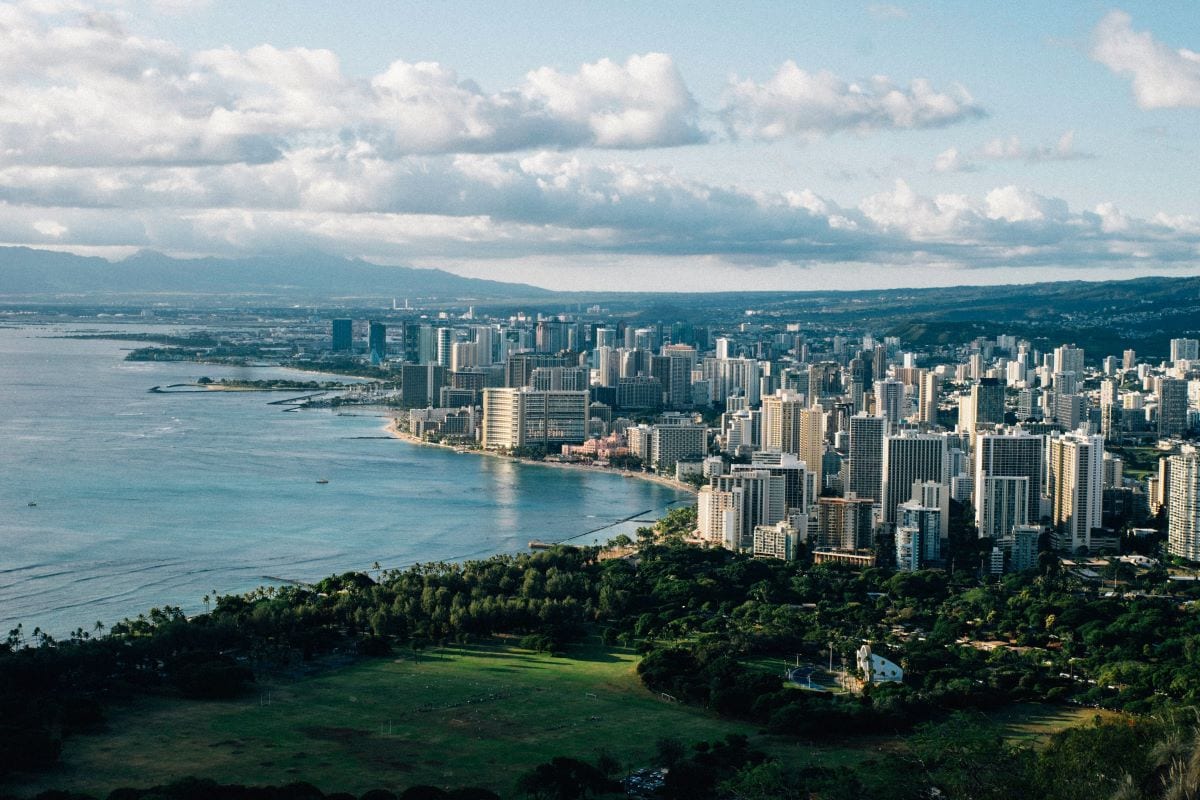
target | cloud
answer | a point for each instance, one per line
(48, 227)
(1162, 77)
(350, 200)
(795, 102)
(951, 160)
(80, 90)
(1009, 149)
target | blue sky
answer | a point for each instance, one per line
(622, 146)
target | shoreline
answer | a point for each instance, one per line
(393, 430)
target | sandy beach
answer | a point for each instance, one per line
(393, 430)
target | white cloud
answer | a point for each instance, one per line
(1014, 204)
(1009, 149)
(951, 160)
(554, 205)
(48, 227)
(1162, 77)
(79, 89)
(795, 102)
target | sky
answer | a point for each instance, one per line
(614, 146)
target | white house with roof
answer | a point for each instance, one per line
(877, 669)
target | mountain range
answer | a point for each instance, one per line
(30, 272)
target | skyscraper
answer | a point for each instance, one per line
(1183, 506)
(444, 339)
(889, 401)
(843, 523)
(377, 341)
(762, 500)
(1069, 358)
(524, 417)
(987, 397)
(781, 422)
(1172, 407)
(824, 382)
(865, 473)
(908, 458)
(1000, 504)
(1185, 350)
(798, 490)
(1075, 480)
(812, 442)
(342, 335)
(1009, 455)
(927, 398)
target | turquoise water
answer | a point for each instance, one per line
(147, 499)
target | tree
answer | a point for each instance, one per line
(566, 779)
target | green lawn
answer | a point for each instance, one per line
(1036, 722)
(474, 715)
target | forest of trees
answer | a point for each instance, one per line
(705, 620)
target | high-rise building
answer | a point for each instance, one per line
(987, 400)
(812, 442)
(1009, 455)
(670, 444)
(518, 370)
(1110, 410)
(908, 548)
(674, 368)
(1069, 358)
(731, 375)
(865, 470)
(1185, 350)
(639, 392)
(1022, 547)
(1075, 483)
(824, 382)
(1070, 410)
(927, 398)
(445, 337)
(1183, 506)
(514, 418)
(909, 458)
(1114, 471)
(342, 335)
(377, 341)
(781, 422)
(844, 523)
(776, 541)
(798, 484)
(1000, 504)
(421, 384)
(1172, 407)
(573, 379)
(761, 499)
(1129, 360)
(920, 527)
(889, 401)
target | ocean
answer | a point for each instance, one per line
(114, 500)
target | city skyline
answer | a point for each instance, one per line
(869, 146)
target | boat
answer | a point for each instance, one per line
(322, 480)
(33, 505)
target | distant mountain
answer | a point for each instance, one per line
(26, 271)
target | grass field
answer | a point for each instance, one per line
(463, 716)
(477, 715)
